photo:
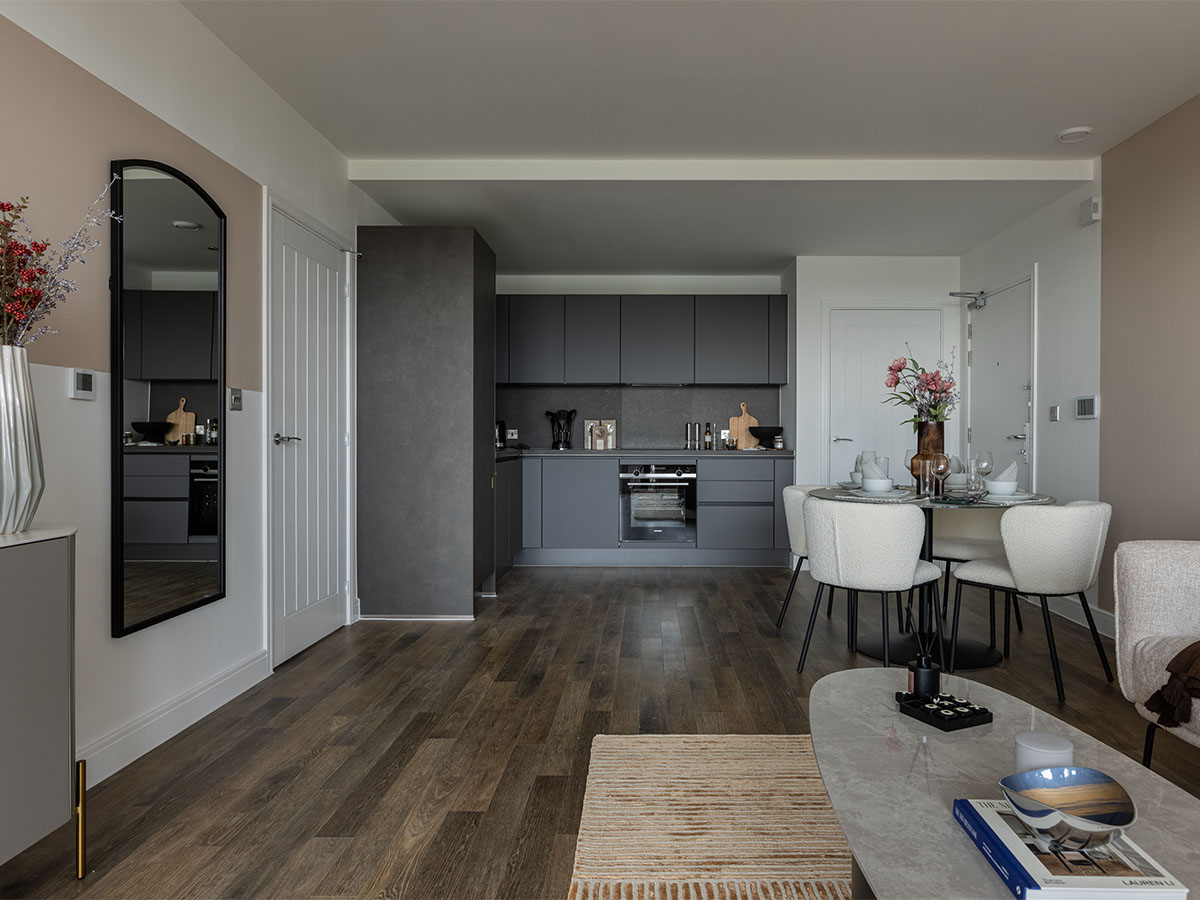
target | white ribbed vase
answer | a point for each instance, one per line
(21, 479)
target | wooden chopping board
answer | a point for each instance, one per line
(184, 422)
(739, 427)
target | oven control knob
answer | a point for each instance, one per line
(637, 473)
(679, 473)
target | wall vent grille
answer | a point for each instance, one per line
(1087, 407)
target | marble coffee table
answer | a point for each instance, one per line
(893, 781)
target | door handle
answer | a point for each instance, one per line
(837, 439)
(285, 438)
(1017, 437)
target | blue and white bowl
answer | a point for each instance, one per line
(1076, 807)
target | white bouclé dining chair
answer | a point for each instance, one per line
(1052, 551)
(794, 496)
(873, 547)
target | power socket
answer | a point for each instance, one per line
(511, 434)
(1054, 413)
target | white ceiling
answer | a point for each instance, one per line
(737, 80)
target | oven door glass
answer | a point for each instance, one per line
(658, 512)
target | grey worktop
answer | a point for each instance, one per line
(164, 448)
(631, 452)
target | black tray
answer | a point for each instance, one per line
(944, 711)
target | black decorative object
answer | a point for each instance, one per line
(560, 428)
(944, 711)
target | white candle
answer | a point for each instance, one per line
(1039, 750)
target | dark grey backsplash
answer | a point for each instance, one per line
(651, 418)
(201, 396)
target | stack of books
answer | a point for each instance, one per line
(1023, 859)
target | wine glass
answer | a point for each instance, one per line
(983, 463)
(939, 467)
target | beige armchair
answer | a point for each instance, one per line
(1158, 614)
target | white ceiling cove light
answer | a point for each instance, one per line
(1074, 135)
(185, 225)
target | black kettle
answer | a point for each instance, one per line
(560, 428)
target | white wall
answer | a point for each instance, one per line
(831, 282)
(160, 56)
(1068, 331)
(133, 693)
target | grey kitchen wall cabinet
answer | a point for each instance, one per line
(426, 331)
(732, 339)
(658, 339)
(777, 356)
(535, 339)
(592, 339)
(131, 302)
(502, 340)
(177, 335)
(580, 503)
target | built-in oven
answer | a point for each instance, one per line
(658, 503)
(204, 507)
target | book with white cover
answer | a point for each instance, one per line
(1023, 859)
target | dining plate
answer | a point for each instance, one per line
(847, 485)
(893, 494)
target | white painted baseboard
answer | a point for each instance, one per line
(119, 748)
(416, 618)
(1069, 608)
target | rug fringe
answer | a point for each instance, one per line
(830, 889)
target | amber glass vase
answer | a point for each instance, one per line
(931, 440)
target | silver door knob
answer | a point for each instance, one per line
(284, 438)
(1016, 437)
(837, 439)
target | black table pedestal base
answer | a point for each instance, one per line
(903, 648)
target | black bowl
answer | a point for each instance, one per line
(766, 433)
(152, 431)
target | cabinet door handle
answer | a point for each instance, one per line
(837, 439)
(1016, 437)
(284, 438)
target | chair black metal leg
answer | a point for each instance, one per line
(788, 597)
(1096, 636)
(900, 614)
(908, 619)
(849, 619)
(854, 630)
(992, 618)
(937, 630)
(946, 591)
(887, 655)
(954, 625)
(1053, 651)
(1008, 601)
(1148, 749)
(812, 620)
(829, 603)
(1017, 612)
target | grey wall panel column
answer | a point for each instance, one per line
(592, 339)
(422, 337)
(777, 358)
(731, 339)
(531, 503)
(483, 414)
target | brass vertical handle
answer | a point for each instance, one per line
(80, 818)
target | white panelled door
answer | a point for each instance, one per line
(308, 452)
(861, 344)
(1000, 379)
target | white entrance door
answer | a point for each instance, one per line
(1000, 379)
(308, 421)
(862, 342)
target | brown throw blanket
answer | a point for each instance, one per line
(1173, 701)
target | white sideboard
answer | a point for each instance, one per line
(37, 703)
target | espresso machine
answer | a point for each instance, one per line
(560, 428)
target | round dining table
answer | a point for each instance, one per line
(969, 653)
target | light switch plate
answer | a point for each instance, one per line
(1054, 413)
(512, 434)
(235, 399)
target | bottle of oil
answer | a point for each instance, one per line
(708, 444)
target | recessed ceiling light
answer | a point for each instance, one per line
(186, 225)
(1074, 135)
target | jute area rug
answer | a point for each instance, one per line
(708, 817)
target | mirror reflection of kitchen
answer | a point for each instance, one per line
(172, 429)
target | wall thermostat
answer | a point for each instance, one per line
(81, 384)
(1087, 407)
(1089, 211)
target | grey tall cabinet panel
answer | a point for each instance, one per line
(731, 339)
(535, 339)
(502, 340)
(592, 339)
(777, 305)
(426, 352)
(658, 335)
(580, 502)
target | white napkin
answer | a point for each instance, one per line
(956, 466)
(868, 456)
(857, 463)
(871, 470)
(1009, 474)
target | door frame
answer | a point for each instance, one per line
(273, 203)
(951, 313)
(1000, 286)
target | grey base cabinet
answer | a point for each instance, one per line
(508, 513)
(580, 503)
(735, 508)
(37, 754)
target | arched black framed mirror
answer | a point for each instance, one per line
(168, 389)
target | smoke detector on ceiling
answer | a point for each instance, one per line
(1074, 135)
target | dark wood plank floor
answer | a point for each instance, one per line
(448, 760)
